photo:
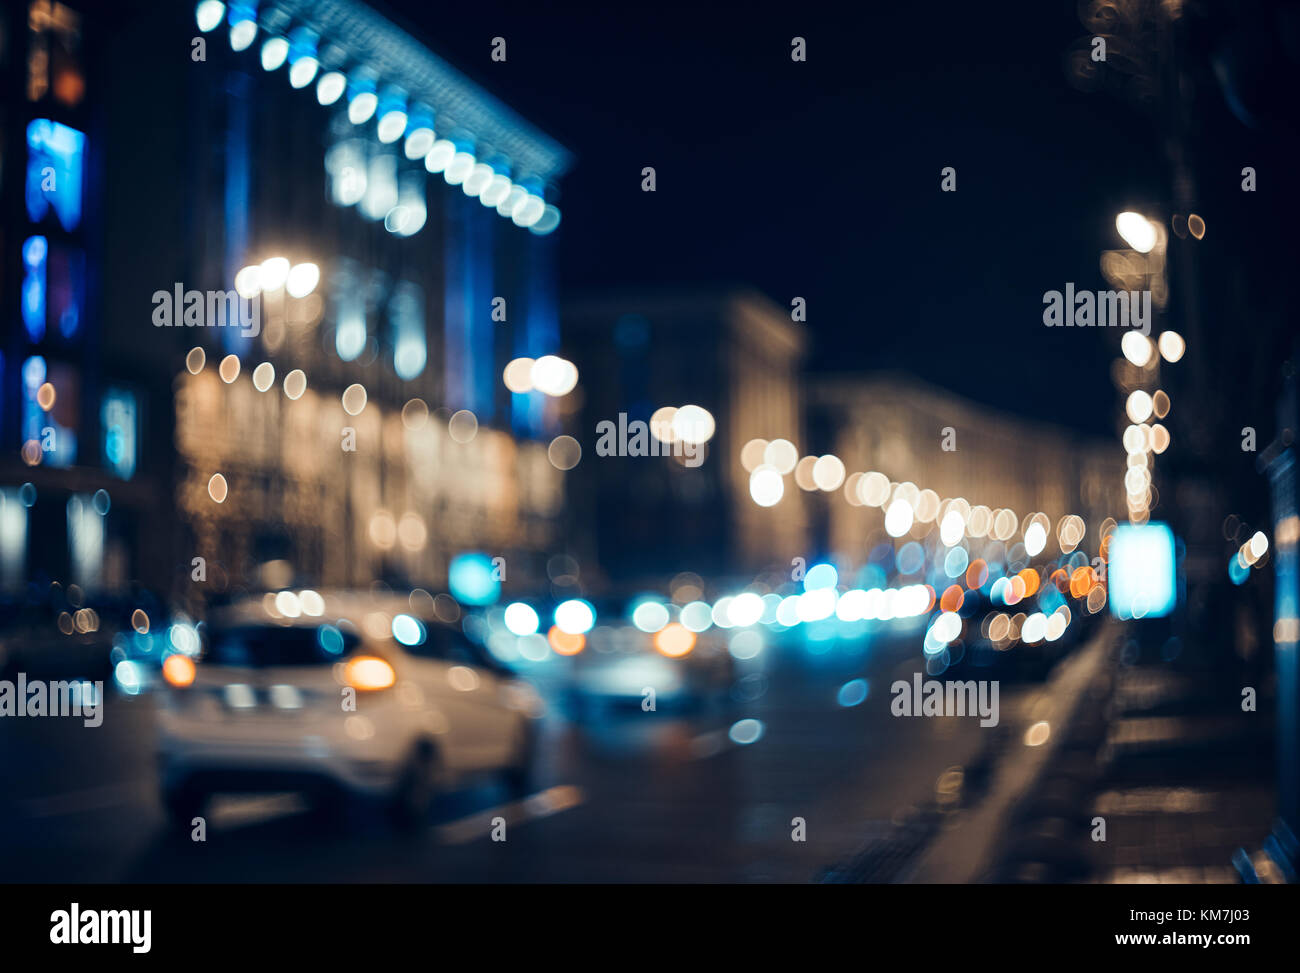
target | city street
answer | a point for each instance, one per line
(742, 444)
(631, 797)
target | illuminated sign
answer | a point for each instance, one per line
(1141, 571)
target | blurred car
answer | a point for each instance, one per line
(619, 662)
(1005, 647)
(338, 695)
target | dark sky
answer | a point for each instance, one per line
(821, 179)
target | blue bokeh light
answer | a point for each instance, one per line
(1141, 571)
(472, 579)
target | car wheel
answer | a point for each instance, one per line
(518, 776)
(414, 795)
(333, 806)
(183, 803)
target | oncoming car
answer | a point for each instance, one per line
(619, 663)
(336, 696)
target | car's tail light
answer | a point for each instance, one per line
(368, 672)
(674, 640)
(565, 643)
(179, 671)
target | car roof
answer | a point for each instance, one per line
(351, 606)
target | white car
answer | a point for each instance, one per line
(338, 694)
(618, 663)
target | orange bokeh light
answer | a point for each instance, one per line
(178, 670)
(674, 640)
(369, 672)
(1081, 581)
(565, 644)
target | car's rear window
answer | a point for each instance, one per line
(267, 646)
(444, 644)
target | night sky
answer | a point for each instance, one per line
(821, 179)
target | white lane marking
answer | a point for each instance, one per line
(543, 804)
(228, 813)
(88, 799)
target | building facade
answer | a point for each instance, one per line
(906, 432)
(368, 433)
(76, 487)
(310, 246)
(729, 352)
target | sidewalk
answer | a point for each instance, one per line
(1165, 759)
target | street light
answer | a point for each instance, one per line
(1172, 346)
(1138, 232)
(1137, 348)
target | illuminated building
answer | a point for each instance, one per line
(384, 207)
(385, 226)
(73, 487)
(899, 427)
(732, 353)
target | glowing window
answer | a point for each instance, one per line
(54, 172)
(35, 251)
(53, 57)
(118, 419)
(406, 317)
